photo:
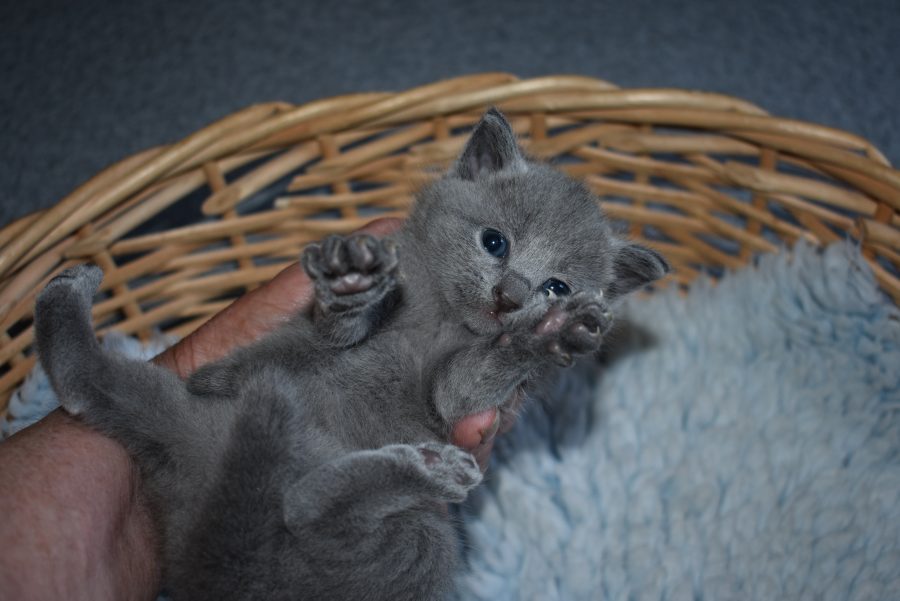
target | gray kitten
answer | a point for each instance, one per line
(315, 464)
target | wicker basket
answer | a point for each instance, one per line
(708, 180)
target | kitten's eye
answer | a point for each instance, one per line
(495, 243)
(554, 288)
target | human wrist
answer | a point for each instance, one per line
(74, 523)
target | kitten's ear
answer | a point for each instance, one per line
(491, 148)
(636, 266)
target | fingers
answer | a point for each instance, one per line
(476, 433)
(381, 227)
(253, 315)
(482, 454)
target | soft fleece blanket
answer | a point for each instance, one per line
(742, 445)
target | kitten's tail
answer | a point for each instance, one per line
(135, 402)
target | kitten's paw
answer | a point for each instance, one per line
(453, 471)
(574, 326)
(80, 280)
(351, 271)
(69, 294)
(447, 472)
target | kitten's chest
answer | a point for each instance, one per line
(435, 341)
(386, 384)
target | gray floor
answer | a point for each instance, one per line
(86, 83)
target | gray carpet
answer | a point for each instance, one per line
(86, 83)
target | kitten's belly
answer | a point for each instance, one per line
(373, 395)
(379, 392)
(362, 398)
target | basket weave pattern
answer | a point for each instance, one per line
(709, 181)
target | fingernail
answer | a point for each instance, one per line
(491, 430)
(482, 454)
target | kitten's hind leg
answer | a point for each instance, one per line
(355, 278)
(134, 401)
(381, 512)
(64, 334)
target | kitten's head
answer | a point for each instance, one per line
(501, 232)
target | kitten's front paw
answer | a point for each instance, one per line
(351, 271)
(576, 325)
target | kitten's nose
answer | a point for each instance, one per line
(505, 303)
(511, 292)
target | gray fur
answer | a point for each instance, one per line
(315, 463)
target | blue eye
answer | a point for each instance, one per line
(495, 243)
(554, 288)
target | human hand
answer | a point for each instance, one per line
(74, 525)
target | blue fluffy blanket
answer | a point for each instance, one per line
(742, 445)
(740, 442)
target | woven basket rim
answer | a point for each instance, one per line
(335, 140)
(379, 108)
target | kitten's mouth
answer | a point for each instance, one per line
(484, 321)
(495, 317)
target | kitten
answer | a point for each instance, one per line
(315, 463)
